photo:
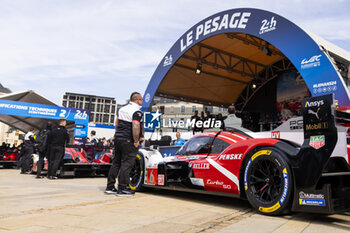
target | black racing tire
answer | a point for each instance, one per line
(137, 173)
(268, 181)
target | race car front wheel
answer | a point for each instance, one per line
(137, 173)
(268, 181)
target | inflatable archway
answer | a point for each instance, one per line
(234, 49)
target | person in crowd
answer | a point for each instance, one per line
(93, 138)
(195, 129)
(179, 141)
(127, 141)
(19, 155)
(43, 148)
(28, 150)
(232, 121)
(57, 139)
(221, 119)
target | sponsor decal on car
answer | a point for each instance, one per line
(151, 176)
(268, 25)
(311, 199)
(316, 103)
(262, 152)
(295, 125)
(311, 62)
(317, 141)
(246, 174)
(275, 134)
(317, 126)
(200, 165)
(160, 180)
(230, 157)
(219, 183)
(270, 209)
(285, 189)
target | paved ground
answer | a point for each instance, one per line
(79, 205)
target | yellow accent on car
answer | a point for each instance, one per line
(270, 209)
(132, 187)
(284, 170)
(138, 156)
(245, 187)
(262, 152)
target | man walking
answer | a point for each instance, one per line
(57, 138)
(127, 140)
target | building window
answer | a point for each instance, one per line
(112, 119)
(182, 109)
(87, 98)
(98, 108)
(107, 101)
(65, 97)
(80, 105)
(172, 109)
(64, 103)
(91, 117)
(86, 106)
(71, 104)
(113, 109)
(193, 108)
(99, 100)
(81, 98)
(71, 97)
(93, 99)
(107, 108)
(105, 118)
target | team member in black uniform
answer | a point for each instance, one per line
(127, 140)
(57, 139)
(28, 150)
(43, 148)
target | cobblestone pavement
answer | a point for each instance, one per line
(79, 205)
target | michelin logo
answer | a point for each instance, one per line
(311, 199)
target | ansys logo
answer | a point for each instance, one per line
(152, 120)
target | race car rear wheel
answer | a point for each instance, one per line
(137, 173)
(268, 181)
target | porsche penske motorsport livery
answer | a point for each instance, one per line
(274, 174)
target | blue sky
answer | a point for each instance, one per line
(112, 47)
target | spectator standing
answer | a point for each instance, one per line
(57, 138)
(196, 118)
(179, 141)
(43, 148)
(127, 140)
(232, 121)
(28, 150)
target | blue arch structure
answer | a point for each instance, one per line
(305, 54)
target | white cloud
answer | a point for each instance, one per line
(113, 47)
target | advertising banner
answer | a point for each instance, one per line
(79, 116)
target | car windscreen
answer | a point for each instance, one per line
(196, 145)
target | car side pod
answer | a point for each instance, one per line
(320, 184)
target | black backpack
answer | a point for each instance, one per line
(41, 140)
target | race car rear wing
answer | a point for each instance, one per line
(313, 191)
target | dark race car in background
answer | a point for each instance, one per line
(274, 174)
